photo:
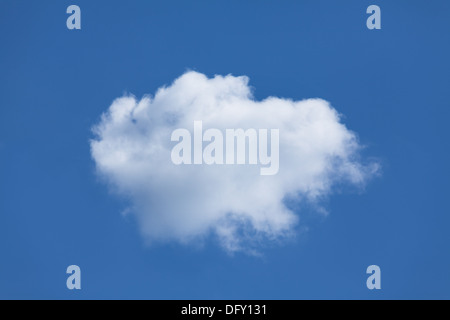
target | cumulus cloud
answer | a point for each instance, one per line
(132, 151)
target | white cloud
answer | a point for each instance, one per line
(132, 150)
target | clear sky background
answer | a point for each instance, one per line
(392, 85)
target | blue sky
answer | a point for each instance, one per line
(390, 84)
